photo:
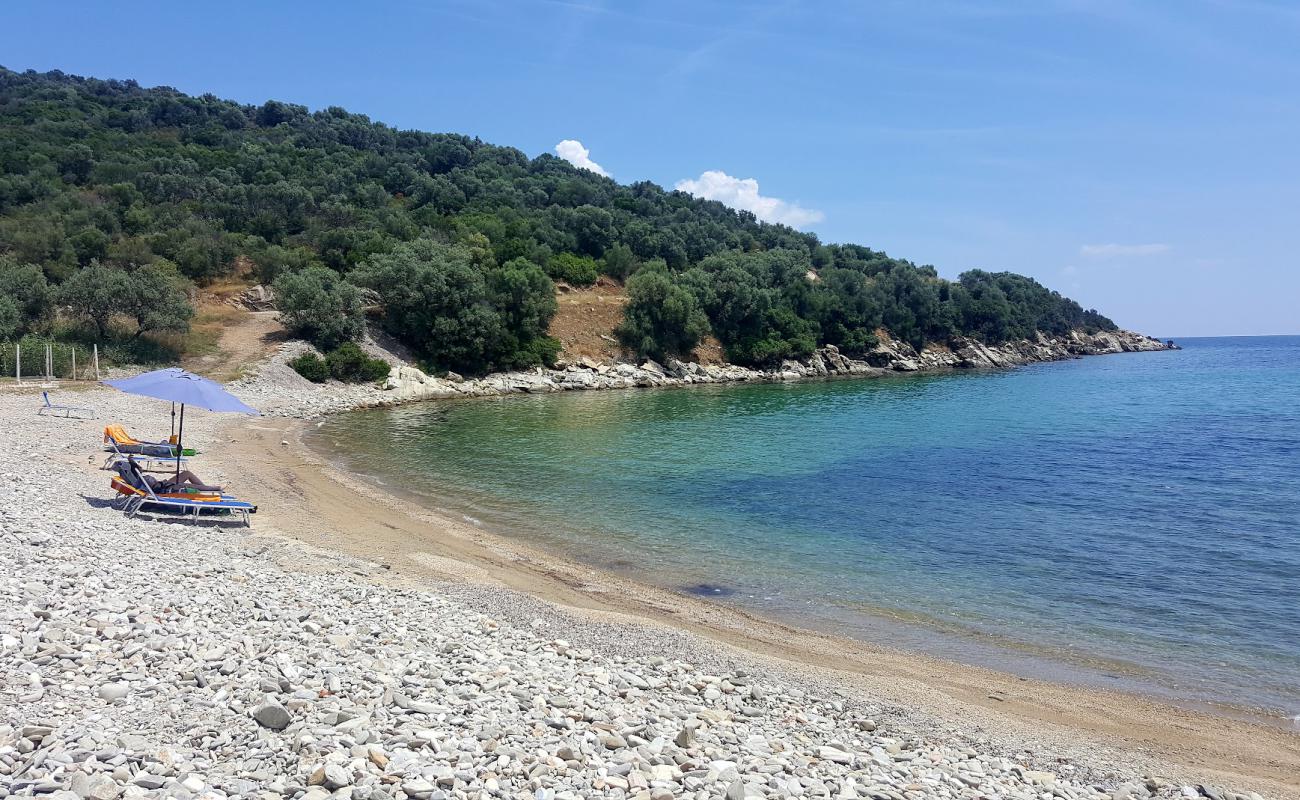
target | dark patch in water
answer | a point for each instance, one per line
(709, 590)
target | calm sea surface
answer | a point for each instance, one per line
(1129, 520)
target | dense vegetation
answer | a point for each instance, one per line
(116, 199)
(347, 363)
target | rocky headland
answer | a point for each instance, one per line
(284, 392)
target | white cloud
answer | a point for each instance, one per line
(1122, 250)
(743, 194)
(572, 151)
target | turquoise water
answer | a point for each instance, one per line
(1129, 520)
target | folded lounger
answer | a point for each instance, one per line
(80, 412)
(137, 493)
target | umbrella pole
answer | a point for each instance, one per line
(179, 447)
(173, 431)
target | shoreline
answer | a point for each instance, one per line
(418, 544)
(908, 632)
(275, 382)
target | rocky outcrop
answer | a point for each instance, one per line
(254, 298)
(408, 383)
(274, 388)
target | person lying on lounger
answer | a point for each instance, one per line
(184, 480)
(132, 474)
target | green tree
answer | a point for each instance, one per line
(10, 318)
(662, 318)
(435, 299)
(319, 306)
(619, 262)
(25, 287)
(94, 170)
(95, 293)
(155, 297)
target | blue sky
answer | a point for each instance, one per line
(1143, 158)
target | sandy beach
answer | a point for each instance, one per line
(771, 710)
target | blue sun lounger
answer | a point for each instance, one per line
(137, 493)
(53, 410)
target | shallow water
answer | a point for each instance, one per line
(1129, 520)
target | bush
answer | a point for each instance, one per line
(661, 317)
(575, 270)
(461, 315)
(319, 306)
(25, 287)
(619, 262)
(10, 318)
(348, 363)
(312, 367)
(539, 352)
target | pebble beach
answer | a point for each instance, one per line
(155, 658)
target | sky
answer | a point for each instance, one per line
(1141, 157)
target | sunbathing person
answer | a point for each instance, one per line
(185, 479)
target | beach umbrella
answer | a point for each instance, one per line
(186, 388)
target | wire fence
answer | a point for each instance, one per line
(37, 360)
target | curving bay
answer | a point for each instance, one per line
(1126, 521)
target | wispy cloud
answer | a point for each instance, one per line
(572, 151)
(1122, 250)
(742, 193)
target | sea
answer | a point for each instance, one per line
(1128, 521)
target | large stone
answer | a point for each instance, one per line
(114, 691)
(272, 715)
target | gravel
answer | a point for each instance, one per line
(145, 658)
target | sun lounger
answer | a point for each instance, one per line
(136, 493)
(121, 444)
(50, 409)
(119, 441)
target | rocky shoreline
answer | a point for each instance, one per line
(284, 392)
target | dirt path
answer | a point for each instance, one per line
(245, 337)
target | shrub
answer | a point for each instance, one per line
(539, 352)
(576, 270)
(348, 363)
(319, 306)
(462, 315)
(10, 318)
(661, 317)
(25, 287)
(619, 262)
(312, 367)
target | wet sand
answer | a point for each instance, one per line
(305, 498)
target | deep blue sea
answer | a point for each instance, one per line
(1129, 520)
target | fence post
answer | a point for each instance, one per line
(96, 360)
(18, 364)
(74, 362)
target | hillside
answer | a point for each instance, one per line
(117, 201)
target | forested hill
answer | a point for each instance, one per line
(114, 199)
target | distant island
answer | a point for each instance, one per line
(118, 202)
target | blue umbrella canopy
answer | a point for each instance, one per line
(186, 388)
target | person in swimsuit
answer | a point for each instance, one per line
(132, 474)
